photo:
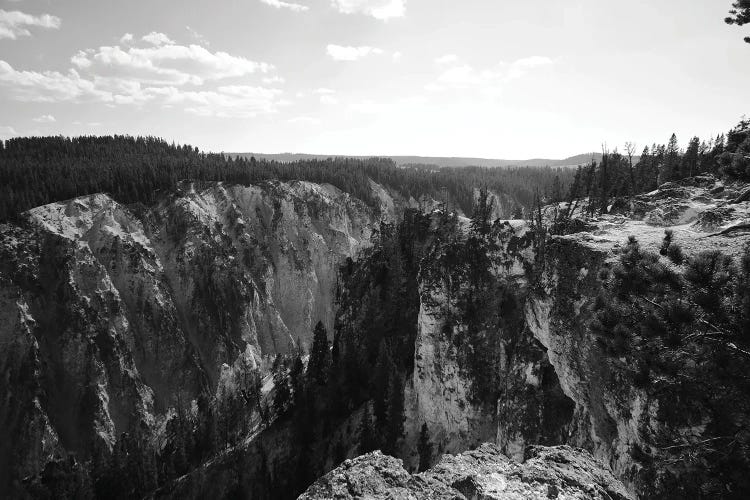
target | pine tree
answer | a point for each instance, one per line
(319, 365)
(424, 448)
(394, 425)
(739, 14)
(283, 394)
(670, 167)
(482, 213)
(366, 436)
(605, 183)
(689, 166)
(296, 376)
(557, 195)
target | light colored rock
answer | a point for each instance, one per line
(485, 473)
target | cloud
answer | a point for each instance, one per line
(14, 24)
(522, 66)
(346, 53)
(229, 101)
(45, 119)
(270, 80)
(379, 9)
(295, 7)
(197, 36)
(328, 100)
(447, 59)
(464, 76)
(163, 73)
(397, 56)
(323, 91)
(50, 86)
(126, 38)
(239, 101)
(367, 106)
(155, 38)
(306, 120)
(166, 64)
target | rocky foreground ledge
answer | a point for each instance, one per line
(559, 472)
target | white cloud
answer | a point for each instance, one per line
(379, 9)
(229, 101)
(126, 38)
(45, 119)
(328, 99)
(157, 39)
(367, 106)
(14, 24)
(347, 53)
(522, 66)
(295, 7)
(166, 64)
(323, 90)
(447, 59)
(197, 36)
(163, 74)
(397, 56)
(305, 120)
(271, 80)
(464, 76)
(51, 86)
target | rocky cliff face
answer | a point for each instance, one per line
(555, 382)
(525, 404)
(111, 317)
(559, 472)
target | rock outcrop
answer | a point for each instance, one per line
(556, 472)
(111, 317)
(557, 385)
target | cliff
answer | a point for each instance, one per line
(128, 333)
(115, 318)
(545, 376)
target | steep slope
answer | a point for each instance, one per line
(550, 378)
(113, 317)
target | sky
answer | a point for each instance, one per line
(508, 79)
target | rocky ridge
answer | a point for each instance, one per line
(113, 316)
(556, 472)
(558, 386)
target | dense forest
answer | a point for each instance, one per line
(39, 170)
(617, 175)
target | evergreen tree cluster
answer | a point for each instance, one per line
(679, 328)
(618, 176)
(739, 14)
(361, 375)
(39, 170)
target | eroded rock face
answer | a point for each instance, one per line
(525, 403)
(110, 317)
(485, 473)
(622, 424)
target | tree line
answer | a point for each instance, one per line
(39, 170)
(617, 175)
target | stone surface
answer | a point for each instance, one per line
(111, 316)
(558, 472)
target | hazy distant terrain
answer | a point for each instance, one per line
(443, 161)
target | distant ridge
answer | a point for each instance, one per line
(441, 161)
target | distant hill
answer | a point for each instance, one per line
(443, 161)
